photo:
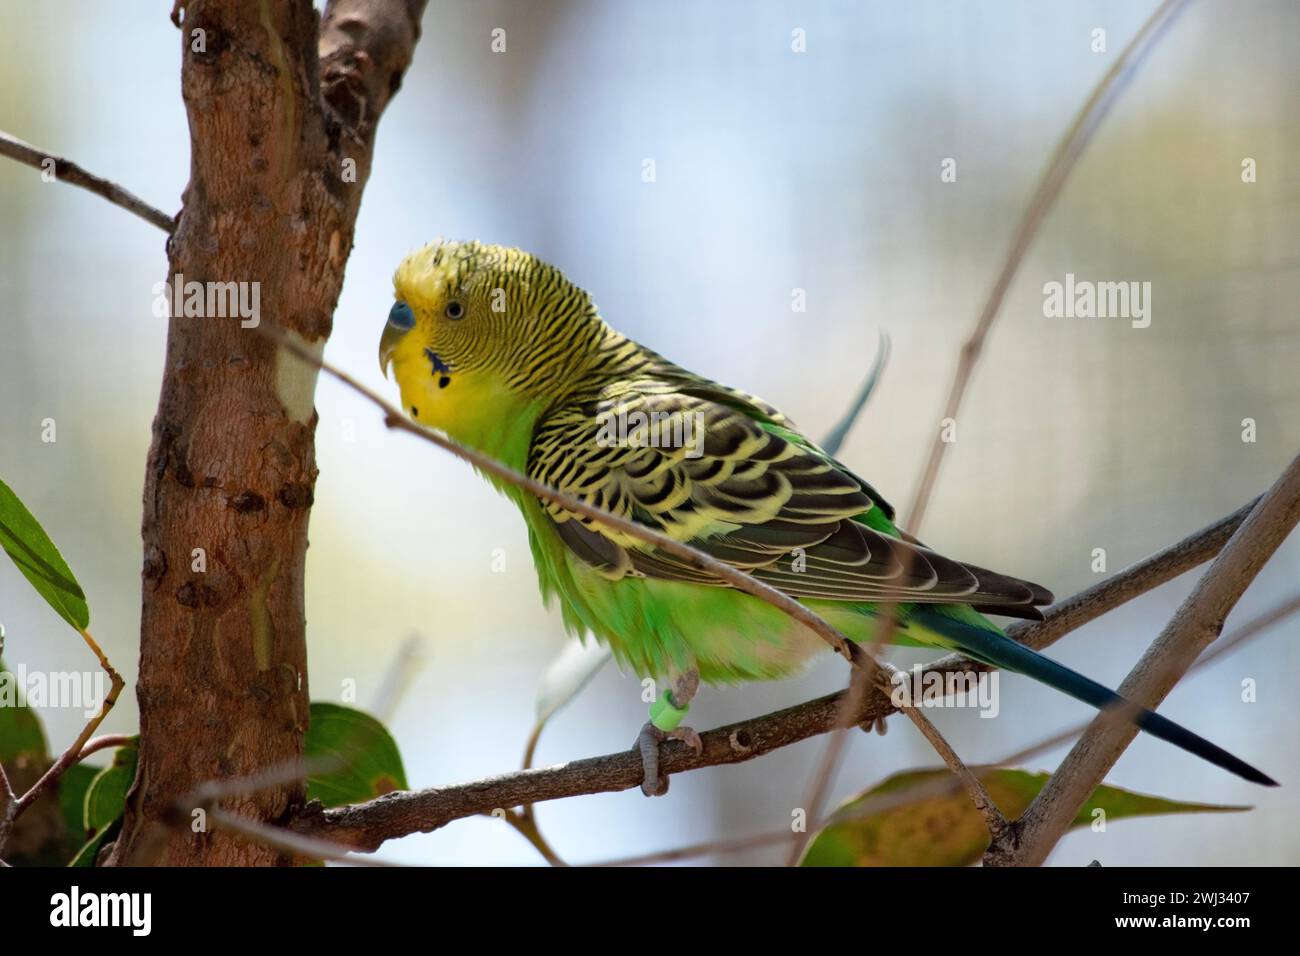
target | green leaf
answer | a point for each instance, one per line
(947, 830)
(569, 673)
(90, 849)
(26, 542)
(103, 802)
(351, 756)
(73, 785)
(21, 736)
(106, 796)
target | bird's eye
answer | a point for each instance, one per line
(454, 310)
(400, 316)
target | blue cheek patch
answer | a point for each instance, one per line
(400, 316)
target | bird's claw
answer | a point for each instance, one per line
(878, 725)
(654, 784)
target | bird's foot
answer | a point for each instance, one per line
(653, 784)
(878, 725)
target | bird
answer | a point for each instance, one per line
(500, 352)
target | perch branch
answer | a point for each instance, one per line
(369, 824)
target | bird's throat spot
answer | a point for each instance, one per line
(440, 368)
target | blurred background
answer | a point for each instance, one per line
(775, 171)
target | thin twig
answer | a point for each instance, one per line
(993, 818)
(697, 559)
(7, 815)
(401, 671)
(73, 753)
(1053, 179)
(65, 170)
(104, 742)
(1059, 167)
(1196, 624)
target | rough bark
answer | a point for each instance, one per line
(281, 104)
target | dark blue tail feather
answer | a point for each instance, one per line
(998, 650)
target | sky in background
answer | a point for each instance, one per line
(774, 171)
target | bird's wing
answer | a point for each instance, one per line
(725, 474)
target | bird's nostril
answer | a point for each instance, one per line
(401, 316)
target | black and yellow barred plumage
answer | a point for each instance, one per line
(506, 355)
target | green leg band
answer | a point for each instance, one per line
(665, 714)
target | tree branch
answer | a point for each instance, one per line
(1196, 624)
(65, 170)
(368, 825)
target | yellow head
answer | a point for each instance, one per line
(481, 333)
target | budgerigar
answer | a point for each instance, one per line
(503, 354)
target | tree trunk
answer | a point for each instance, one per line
(280, 151)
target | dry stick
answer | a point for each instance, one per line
(525, 819)
(69, 172)
(369, 824)
(1053, 179)
(857, 682)
(1196, 624)
(697, 559)
(821, 780)
(984, 803)
(1058, 170)
(943, 787)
